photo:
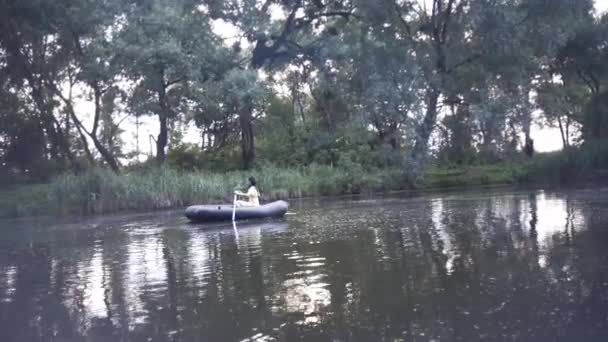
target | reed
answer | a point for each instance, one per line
(100, 191)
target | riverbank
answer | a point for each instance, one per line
(99, 191)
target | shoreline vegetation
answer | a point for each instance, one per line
(100, 191)
(325, 98)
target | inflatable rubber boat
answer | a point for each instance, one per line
(223, 212)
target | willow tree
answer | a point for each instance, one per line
(279, 32)
(54, 49)
(240, 94)
(435, 38)
(84, 33)
(580, 68)
(31, 60)
(462, 46)
(167, 47)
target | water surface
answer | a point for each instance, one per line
(473, 266)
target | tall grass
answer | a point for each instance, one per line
(101, 191)
(575, 164)
(504, 173)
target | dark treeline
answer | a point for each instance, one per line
(372, 83)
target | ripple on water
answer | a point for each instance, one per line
(8, 280)
(456, 267)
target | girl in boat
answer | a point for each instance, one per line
(253, 196)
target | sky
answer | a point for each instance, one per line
(545, 139)
(601, 5)
(548, 139)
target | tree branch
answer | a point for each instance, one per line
(170, 83)
(407, 26)
(589, 82)
(448, 13)
(463, 62)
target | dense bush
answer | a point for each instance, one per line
(571, 165)
(595, 119)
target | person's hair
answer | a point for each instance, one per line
(252, 181)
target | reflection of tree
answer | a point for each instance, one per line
(532, 199)
(449, 270)
(579, 263)
(36, 308)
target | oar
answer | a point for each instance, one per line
(234, 208)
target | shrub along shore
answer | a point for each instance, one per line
(100, 191)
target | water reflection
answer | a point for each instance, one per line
(304, 293)
(523, 266)
(92, 273)
(9, 276)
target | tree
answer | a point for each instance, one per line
(278, 41)
(32, 59)
(349, 81)
(84, 34)
(581, 69)
(436, 39)
(562, 105)
(69, 47)
(22, 140)
(167, 48)
(242, 95)
(595, 119)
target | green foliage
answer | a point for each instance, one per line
(595, 119)
(25, 201)
(186, 157)
(475, 175)
(102, 191)
(458, 139)
(350, 94)
(225, 98)
(576, 164)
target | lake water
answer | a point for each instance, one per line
(461, 266)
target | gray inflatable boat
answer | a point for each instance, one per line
(223, 212)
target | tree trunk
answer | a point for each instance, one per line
(107, 155)
(568, 131)
(247, 136)
(529, 146)
(85, 144)
(296, 105)
(561, 131)
(529, 142)
(105, 152)
(425, 130)
(52, 136)
(393, 133)
(52, 126)
(161, 141)
(163, 135)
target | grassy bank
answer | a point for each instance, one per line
(476, 175)
(101, 191)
